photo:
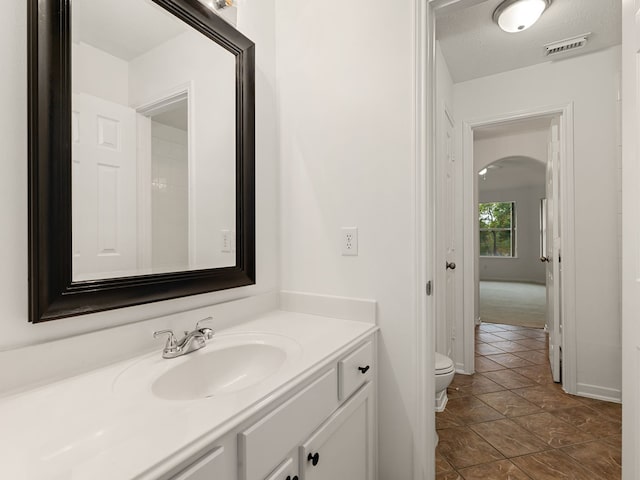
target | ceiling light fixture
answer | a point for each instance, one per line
(517, 15)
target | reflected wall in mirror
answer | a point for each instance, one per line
(141, 146)
(153, 130)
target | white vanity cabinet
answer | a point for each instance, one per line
(324, 432)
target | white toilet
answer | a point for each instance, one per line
(444, 376)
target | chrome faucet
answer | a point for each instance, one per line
(191, 341)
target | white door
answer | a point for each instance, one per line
(552, 254)
(630, 239)
(104, 188)
(446, 213)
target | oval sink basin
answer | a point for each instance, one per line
(228, 364)
(218, 372)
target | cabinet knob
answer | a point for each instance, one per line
(364, 369)
(313, 458)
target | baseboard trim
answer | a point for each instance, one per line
(357, 309)
(599, 393)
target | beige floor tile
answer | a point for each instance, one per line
(552, 465)
(538, 373)
(472, 410)
(553, 431)
(589, 420)
(539, 357)
(500, 470)
(598, 457)
(441, 463)
(487, 349)
(484, 364)
(509, 379)
(511, 335)
(488, 337)
(547, 397)
(509, 360)
(449, 476)
(509, 438)
(509, 346)
(509, 404)
(462, 448)
(471, 385)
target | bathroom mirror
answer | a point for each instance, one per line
(141, 136)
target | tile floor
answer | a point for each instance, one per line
(509, 421)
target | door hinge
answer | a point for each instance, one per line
(429, 288)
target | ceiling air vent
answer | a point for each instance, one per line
(566, 45)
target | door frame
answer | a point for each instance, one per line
(630, 239)
(424, 240)
(147, 108)
(567, 248)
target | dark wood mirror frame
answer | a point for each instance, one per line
(52, 292)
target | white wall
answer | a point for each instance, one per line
(256, 20)
(526, 266)
(532, 144)
(100, 74)
(192, 59)
(169, 198)
(591, 83)
(345, 82)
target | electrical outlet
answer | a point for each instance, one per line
(225, 240)
(349, 241)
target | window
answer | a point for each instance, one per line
(497, 229)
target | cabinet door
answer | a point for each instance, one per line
(343, 447)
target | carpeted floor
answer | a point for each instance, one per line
(513, 303)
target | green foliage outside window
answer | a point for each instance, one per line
(497, 229)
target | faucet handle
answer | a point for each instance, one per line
(207, 332)
(171, 340)
(204, 320)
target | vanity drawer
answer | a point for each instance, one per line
(263, 445)
(354, 370)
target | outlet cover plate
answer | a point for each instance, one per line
(349, 241)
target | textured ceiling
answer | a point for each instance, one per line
(474, 46)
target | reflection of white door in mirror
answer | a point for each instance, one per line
(104, 187)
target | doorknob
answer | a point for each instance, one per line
(544, 259)
(451, 266)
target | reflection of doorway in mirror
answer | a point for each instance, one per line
(164, 193)
(170, 189)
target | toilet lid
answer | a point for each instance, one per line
(443, 363)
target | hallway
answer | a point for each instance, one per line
(509, 421)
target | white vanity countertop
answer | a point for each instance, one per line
(82, 428)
